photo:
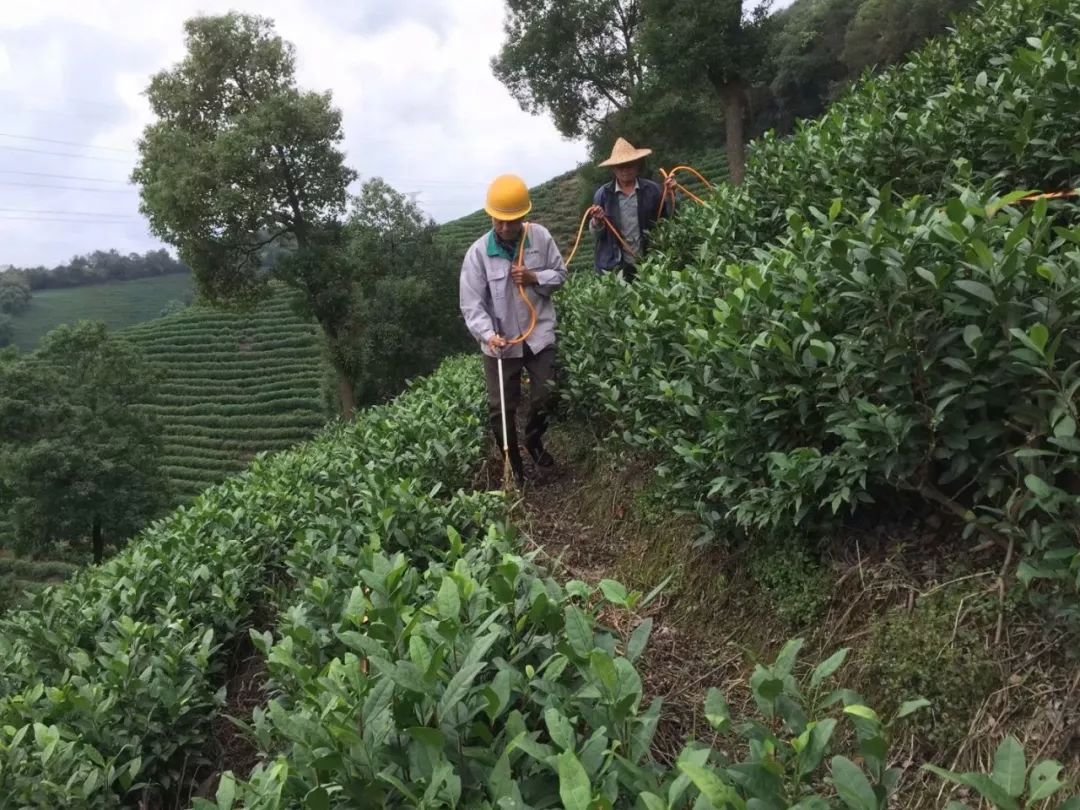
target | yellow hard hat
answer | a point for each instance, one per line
(508, 198)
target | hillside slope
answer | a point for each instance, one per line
(118, 303)
(410, 648)
(234, 384)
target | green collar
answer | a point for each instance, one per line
(495, 249)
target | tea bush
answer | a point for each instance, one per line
(816, 339)
(108, 683)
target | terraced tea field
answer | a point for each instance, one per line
(559, 203)
(19, 577)
(235, 385)
(118, 303)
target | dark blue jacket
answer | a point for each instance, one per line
(608, 251)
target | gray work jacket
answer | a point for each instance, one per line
(490, 301)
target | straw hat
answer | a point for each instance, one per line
(624, 152)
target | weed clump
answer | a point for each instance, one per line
(792, 579)
(937, 651)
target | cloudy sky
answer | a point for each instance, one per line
(412, 77)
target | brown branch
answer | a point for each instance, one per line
(932, 493)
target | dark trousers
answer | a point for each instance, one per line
(541, 368)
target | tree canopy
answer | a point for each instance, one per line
(575, 59)
(239, 158)
(79, 460)
(682, 75)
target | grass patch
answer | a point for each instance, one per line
(938, 651)
(792, 580)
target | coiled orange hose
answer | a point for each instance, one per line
(521, 291)
(663, 198)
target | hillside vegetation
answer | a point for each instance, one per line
(852, 326)
(807, 342)
(234, 384)
(118, 303)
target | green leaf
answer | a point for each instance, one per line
(987, 787)
(1039, 335)
(603, 668)
(956, 211)
(226, 792)
(785, 659)
(910, 707)
(1039, 487)
(819, 737)
(1022, 336)
(1045, 781)
(712, 787)
(972, 334)
(1010, 766)
(823, 350)
(827, 668)
(559, 729)
(431, 737)
(852, 785)
(578, 631)
(652, 801)
(1065, 428)
(458, 688)
(717, 711)
(317, 799)
(638, 639)
(574, 788)
(614, 592)
(835, 209)
(977, 289)
(865, 712)
(447, 601)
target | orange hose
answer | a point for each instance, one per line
(1053, 195)
(671, 194)
(521, 291)
(663, 198)
(610, 226)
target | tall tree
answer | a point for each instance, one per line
(79, 460)
(406, 284)
(884, 31)
(575, 59)
(14, 293)
(240, 158)
(714, 41)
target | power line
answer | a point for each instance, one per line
(68, 188)
(66, 176)
(62, 154)
(6, 218)
(66, 143)
(65, 213)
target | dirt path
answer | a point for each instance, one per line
(678, 665)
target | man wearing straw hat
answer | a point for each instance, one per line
(509, 274)
(632, 205)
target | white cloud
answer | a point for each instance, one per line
(412, 78)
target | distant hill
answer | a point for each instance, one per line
(118, 303)
(235, 384)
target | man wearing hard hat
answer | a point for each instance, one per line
(632, 204)
(508, 274)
